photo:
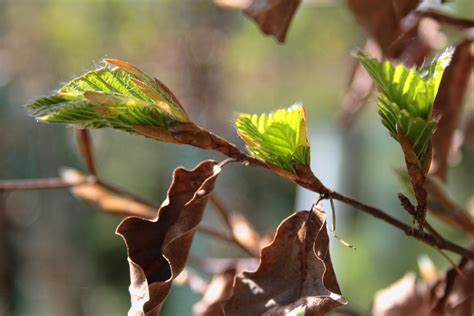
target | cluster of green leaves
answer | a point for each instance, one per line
(407, 96)
(278, 138)
(117, 95)
(121, 96)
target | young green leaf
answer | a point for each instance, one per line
(278, 138)
(117, 95)
(407, 96)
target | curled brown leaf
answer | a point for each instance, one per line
(295, 270)
(273, 16)
(384, 22)
(449, 106)
(403, 298)
(158, 249)
(417, 175)
(451, 293)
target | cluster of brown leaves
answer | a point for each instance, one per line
(451, 293)
(295, 270)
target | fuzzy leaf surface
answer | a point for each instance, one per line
(278, 138)
(117, 95)
(407, 96)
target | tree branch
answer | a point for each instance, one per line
(40, 184)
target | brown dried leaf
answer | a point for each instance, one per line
(382, 20)
(454, 293)
(295, 270)
(443, 207)
(103, 198)
(403, 298)
(273, 16)
(416, 172)
(468, 132)
(449, 105)
(219, 290)
(158, 249)
(449, 294)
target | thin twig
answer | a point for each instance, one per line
(209, 231)
(130, 195)
(446, 19)
(225, 216)
(312, 183)
(415, 233)
(39, 184)
(220, 209)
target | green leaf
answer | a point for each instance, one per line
(407, 96)
(278, 138)
(118, 95)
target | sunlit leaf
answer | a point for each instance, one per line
(407, 96)
(278, 138)
(117, 95)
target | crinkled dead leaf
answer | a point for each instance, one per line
(219, 290)
(295, 271)
(449, 105)
(417, 175)
(108, 202)
(468, 131)
(450, 294)
(454, 293)
(273, 16)
(403, 298)
(158, 249)
(416, 172)
(383, 21)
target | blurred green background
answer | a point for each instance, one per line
(59, 256)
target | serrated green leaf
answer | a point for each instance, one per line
(407, 96)
(278, 138)
(118, 95)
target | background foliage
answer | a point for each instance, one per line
(59, 256)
